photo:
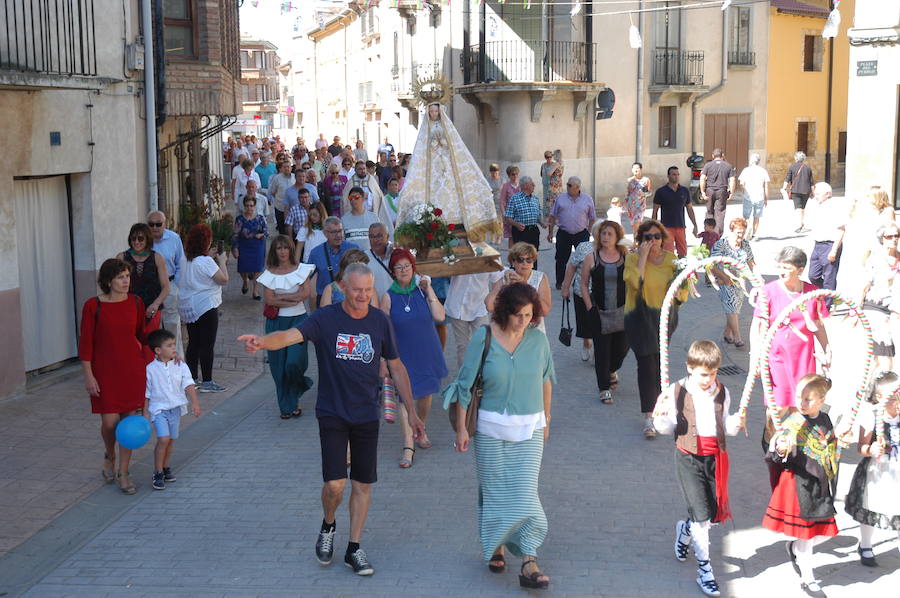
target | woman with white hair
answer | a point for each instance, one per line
(799, 183)
(755, 181)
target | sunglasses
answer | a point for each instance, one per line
(155, 224)
(894, 236)
(652, 236)
(524, 260)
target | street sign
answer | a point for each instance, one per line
(866, 68)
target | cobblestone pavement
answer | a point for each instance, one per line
(50, 447)
(242, 518)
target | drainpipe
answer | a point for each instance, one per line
(150, 105)
(639, 119)
(828, 109)
(722, 80)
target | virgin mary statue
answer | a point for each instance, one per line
(443, 173)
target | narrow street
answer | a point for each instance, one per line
(241, 520)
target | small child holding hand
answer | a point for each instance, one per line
(695, 409)
(167, 383)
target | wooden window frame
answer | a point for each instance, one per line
(192, 23)
(672, 128)
(842, 147)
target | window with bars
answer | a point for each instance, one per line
(179, 28)
(740, 50)
(666, 138)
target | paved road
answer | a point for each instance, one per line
(241, 521)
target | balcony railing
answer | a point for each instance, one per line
(48, 37)
(676, 67)
(404, 77)
(741, 58)
(530, 61)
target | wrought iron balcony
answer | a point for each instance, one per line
(677, 67)
(55, 38)
(530, 61)
(741, 58)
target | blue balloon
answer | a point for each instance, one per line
(133, 432)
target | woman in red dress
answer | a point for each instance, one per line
(110, 350)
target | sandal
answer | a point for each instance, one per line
(285, 416)
(497, 564)
(739, 344)
(125, 483)
(533, 581)
(407, 463)
(614, 381)
(606, 397)
(424, 445)
(730, 341)
(109, 475)
(297, 412)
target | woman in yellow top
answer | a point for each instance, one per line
(648, 273)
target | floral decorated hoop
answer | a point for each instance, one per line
(782, 319)
(685, 276)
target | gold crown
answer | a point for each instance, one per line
(430, 90)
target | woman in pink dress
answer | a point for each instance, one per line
(791, 357)
(636, 194)
(509, 188)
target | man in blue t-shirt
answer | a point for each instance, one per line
(673, 199)
(350, 341)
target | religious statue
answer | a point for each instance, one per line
(443, 172)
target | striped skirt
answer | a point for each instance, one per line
(509, 509)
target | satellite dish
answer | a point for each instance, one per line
(606, 101)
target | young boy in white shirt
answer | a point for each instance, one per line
(165, 403)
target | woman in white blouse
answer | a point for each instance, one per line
(286, 285)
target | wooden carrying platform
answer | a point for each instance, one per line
(468, 261)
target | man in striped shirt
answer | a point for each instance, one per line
(523, 214)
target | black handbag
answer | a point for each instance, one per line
(565, 330)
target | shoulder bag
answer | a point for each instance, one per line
(609, 320)
(565, 325)
(477, 390)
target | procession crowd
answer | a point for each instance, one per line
(313, 232)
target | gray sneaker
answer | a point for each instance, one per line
(210, 386)
(359, 562)
(325, 547)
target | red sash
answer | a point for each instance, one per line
(709, 445)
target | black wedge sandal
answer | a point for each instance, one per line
(497, 564)
(533, 581)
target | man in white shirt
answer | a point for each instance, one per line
(371, 192)
(321, 142)
(755, 181)
(465, 306)
(167, 243)
(357, 221)
(240, 184)
(828, 216)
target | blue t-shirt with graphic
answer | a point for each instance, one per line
(348, 352)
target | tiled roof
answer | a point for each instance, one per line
(795, 7)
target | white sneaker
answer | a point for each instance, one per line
(649, 430)
(586, 353)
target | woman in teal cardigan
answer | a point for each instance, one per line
(513, 424)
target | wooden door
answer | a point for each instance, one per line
(730, 132)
